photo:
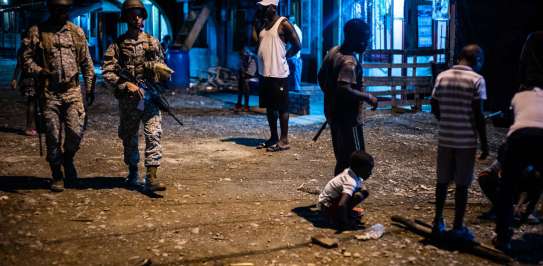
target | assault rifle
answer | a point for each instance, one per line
(154, 90)
(39, 117)
(39, 100)
(321, 129)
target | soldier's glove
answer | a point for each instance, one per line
(162, 72)
(90, 97)
(134, 90)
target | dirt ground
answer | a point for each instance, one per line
(226, 202)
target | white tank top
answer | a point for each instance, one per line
(272, 53)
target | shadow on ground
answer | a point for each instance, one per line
(15, 183)
(311, 214)
(12, 130)
(249, 142)
(528, 249)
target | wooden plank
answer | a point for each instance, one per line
(393, 99)
(385, 102)
(403, 89)
(384, 83)
(472, 247)
(417, 52)
(404, 102)
(414, 73)
(402, 92)
(397, 81)
(404, 70)
(396, 65)
(393, 88)
(196, 28)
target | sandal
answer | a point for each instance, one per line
(276, 147)
(31, 132)
(266, 144)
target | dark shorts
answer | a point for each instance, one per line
(273, 94)
(455, 164)
(345, 140)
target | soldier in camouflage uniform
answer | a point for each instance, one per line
(136, 52)
(27, 86)
(57, 52)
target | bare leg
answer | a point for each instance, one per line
(272, 122)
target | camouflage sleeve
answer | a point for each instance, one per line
(87, 67)
(111, 66)
(159, 55)
(32, 42)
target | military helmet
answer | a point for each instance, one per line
(131, 4)
(60, 2)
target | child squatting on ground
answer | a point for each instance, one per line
(345, 191)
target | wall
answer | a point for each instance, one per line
(500, 28)
(173, 10)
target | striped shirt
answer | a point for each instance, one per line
(455, 90)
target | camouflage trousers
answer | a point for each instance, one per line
(63, 108)
(131, 118)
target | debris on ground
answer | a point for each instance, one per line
(376, 231)
(309, 190)
(324, 241)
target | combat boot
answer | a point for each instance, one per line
(69, 168)
(151, 180)
(57, 184)
(132, 180)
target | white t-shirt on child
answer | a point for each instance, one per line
(346, 182)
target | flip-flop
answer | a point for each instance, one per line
(31, 132)
(277, 147)
(265, 144)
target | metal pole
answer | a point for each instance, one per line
(452, 32)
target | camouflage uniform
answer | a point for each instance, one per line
(64, 53)
(25, 82)
(137, 57)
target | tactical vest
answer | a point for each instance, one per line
(47, 45)
(137, 61)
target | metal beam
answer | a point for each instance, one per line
(196, 28)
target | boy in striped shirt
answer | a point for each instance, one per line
(457, 104)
